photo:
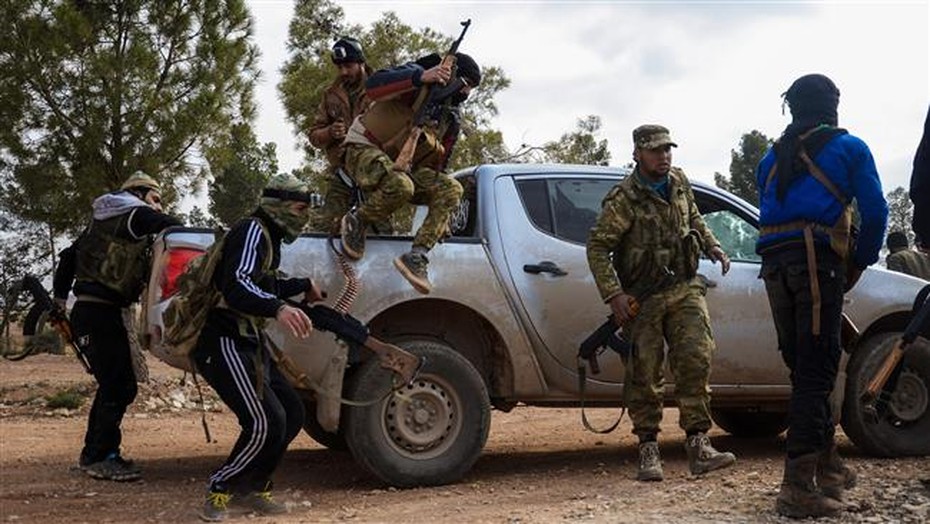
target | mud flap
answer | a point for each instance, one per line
(328, 398)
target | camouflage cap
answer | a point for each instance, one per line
(651, 136)
(285, 186)
(140, 180)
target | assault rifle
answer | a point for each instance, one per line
(351, 331)
(610, 334)
(57, 317)
(880, 389)
(405, 157)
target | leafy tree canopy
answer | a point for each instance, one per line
(387, 42)
(742, 179)
(92, 91)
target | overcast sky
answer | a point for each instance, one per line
(708, 70)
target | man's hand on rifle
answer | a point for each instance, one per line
(439, 74)
(295, 320)
(717, 255)
(624, 308)
(337, 130)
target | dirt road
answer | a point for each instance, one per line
(539, 466)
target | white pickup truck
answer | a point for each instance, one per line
(512, 300)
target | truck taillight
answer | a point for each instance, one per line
(178, 259)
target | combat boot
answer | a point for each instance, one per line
(798, 497)
(702, 457)
(650, 465)
(413, 266)
(833, 476)
(353, 235)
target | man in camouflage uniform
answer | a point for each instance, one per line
(342, 101)
(905, 260)
(650, 227)
(375, 139)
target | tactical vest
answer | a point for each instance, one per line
(659, 236)
(388, 123)
(117, 263)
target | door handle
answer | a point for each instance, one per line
(707, 282)
(545, 267)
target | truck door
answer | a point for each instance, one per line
(546, 259)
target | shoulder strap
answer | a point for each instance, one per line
(821, 177)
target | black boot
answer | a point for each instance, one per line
(833, 476)
(799, 498)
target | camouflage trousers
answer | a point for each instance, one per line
(337, 201)
(386, 190)
(677, 316)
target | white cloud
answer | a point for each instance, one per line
(711, 71)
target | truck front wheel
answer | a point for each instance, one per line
(905, 428)
(429, 432)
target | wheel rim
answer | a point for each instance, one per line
(910, 398)
(422, 420)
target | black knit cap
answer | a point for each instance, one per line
(813, 99)
(466, 66)
(348, 50)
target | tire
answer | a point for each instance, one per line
(432, 432)
(334, 441)
(750, 424)
(905, 429)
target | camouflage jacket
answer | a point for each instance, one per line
(337, 104)
(638, 232)
(909, 262)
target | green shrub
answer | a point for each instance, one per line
(71, 398)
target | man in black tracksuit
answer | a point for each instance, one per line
(109, 264)
(231, 353)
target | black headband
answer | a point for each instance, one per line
(284, 194)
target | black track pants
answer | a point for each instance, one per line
(107, 346)
(268, 422)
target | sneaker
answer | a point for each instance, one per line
(115, 468)
(216, 506)
(260, 502)
(413, 266)
(702, 457)
(353, 236)
(650, 465)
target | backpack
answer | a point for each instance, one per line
(196, 295)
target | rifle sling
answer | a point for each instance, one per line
(582, 378)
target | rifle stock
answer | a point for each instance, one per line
(351, 330)
(880, 388)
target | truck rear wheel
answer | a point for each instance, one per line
(430, 432)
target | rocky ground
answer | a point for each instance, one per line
(539, 466)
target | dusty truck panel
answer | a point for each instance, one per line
(512, 300)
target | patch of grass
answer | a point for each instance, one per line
(71, 398)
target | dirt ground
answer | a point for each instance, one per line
(539, 466)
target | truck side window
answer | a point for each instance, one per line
(576, 204)
(535, 199)
(736, 233)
